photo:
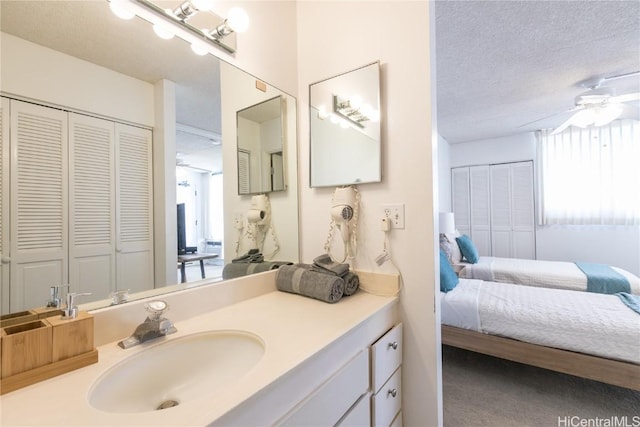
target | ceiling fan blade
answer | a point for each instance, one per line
(628, 97)
(566, 124)
(549, 116)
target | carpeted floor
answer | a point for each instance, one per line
(482, 390)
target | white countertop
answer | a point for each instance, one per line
(293, 328)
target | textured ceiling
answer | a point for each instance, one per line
(503, 64)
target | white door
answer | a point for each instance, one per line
(461, 199)
(501, 210)
(134, 208)
(92, 263)
(4, 206)
(523, 211)
(38, 218)
(480, 209)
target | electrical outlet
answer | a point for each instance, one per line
(395, 214)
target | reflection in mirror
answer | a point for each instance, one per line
(94, 71)
(260, 147)
(345, 126)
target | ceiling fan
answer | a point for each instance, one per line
(598, 105)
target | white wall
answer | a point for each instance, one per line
(337, 36)
(42, 74)
(615, 245)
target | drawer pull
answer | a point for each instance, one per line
(393, 392)
(393, 345)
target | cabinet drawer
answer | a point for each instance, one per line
(387, 402)
(333, 399)
(386, 356)
(359, 415)
(397, 422)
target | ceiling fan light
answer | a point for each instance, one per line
(607, 114)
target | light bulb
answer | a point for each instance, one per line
(163, 31)
(238, 20)
(355, 102)
(202, 4)
(199, 49)
(120, 9)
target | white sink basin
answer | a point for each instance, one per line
(176, 371)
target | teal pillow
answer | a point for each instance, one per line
(468, 249)
(448, 277)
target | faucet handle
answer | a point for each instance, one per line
(156, 308)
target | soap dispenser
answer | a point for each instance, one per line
(73, 331)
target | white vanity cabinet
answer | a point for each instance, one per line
(386, 381)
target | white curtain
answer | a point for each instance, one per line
(590, 176)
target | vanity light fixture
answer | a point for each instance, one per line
(189, 8)
(236, 21)
(352, 110)
(173, 22)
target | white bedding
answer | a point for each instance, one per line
(547, 274)
(584, 322)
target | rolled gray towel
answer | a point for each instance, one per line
(238, 269)
(324, 264)
(300, 279)
(351, 283)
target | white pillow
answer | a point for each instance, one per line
(450, 247)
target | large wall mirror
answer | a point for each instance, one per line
(261, 155)
(76, 62)
(345, 128)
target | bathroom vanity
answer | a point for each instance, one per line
(262, 358)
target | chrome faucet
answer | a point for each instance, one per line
(154, 326)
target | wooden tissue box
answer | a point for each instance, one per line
(42, 349)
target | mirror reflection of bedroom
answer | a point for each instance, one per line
(539, 131)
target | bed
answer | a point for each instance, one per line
(462, 254)
(548, 274)
(590, 335)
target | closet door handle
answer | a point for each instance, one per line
(393, 392)
(393, 345)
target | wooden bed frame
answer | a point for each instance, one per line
(623, 374)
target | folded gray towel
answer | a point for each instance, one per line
(253, 255)
(238, 269)
(300, 279)
(324, 264)
(351, 283)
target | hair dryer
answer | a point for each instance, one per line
(342, 213)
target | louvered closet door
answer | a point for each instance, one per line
(92, 263)
(4, 206)
(480, 209)
(39, 230)
(523, 211)
(461, 199)
(134, 208)
(501, 210)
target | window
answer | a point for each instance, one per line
(591, 176)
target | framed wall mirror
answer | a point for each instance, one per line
(261, 155)
(97, 68)
(345, 128)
